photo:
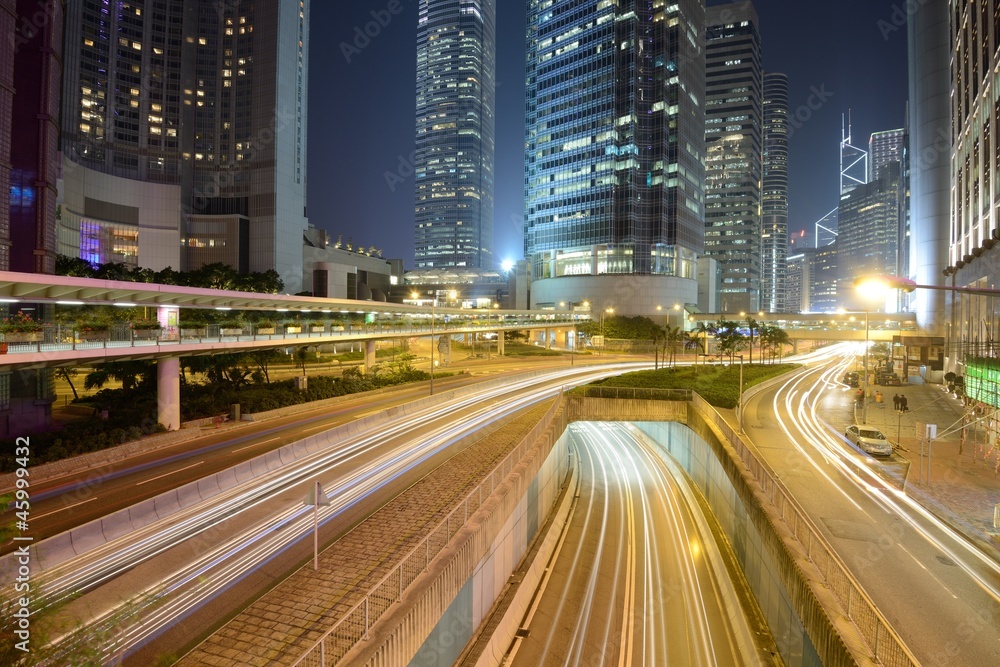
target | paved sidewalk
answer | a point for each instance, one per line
(963, 488)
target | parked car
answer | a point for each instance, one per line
(869, 440)
(851, 379)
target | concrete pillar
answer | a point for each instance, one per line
(369, 354)
(795, 346)
(548, 339)
(168, 392)
(500, 343)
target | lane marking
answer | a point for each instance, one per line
(256, 444)
(151, 479)
(39, 516)
(316, 428)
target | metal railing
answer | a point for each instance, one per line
(887, 646)
(356, 624)
(637, 393)
(61, 337)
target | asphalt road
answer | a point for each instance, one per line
(631, 584)
(940, 593)
(62, 504)
(205, 561)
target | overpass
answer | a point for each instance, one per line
(64, 345)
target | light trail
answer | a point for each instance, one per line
(182, 591)
(630, 585)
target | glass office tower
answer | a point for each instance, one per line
(733, 138)
(456, 101)
(774, 195)
(614, 153)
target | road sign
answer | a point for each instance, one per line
(925, 430)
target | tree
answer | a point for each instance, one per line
(74, 266)
(674, 335)
(731, 340)
(753, 325)
(773, 339)
(131, 374)
(66, 374)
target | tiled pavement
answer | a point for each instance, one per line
(285, 622)
(964, 484)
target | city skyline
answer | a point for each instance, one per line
(852, 57)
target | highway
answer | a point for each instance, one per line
(941, 593)
(177, 566)
(64, 503)
(632, 582)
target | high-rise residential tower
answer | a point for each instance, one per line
(774, 196)
(184, 134)
(614, 151)
(456, 93)
(733, 143)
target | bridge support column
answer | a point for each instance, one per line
(168, 392)
(795, 347)
(500, 343)
(548, 339)
(369, 354)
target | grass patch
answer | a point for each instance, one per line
(526, 350)
(718, 384)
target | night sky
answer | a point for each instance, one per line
(361, 113)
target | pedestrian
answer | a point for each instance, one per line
(902, 403)
(895, 402)
(878, 396)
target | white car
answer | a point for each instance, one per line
(870, 440)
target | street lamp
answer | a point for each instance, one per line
(416, 295)
(609, 311)
(572, 305)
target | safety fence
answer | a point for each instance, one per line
(887, 647)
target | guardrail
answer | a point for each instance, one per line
(356, 624)
(886, 645)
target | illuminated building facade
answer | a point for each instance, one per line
(456, 101)
(774, 195)
(614, 153)
(733, 141)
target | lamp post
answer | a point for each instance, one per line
(864, 408)
(572, 305)
(739, 400)
(609, 311)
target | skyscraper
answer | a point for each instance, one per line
(869, 232)
(884, 148)
(184, 134)
(614, 150)
(456, 91)
(853, 161)
(974, 249)
(774, 198)
(733, 138)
